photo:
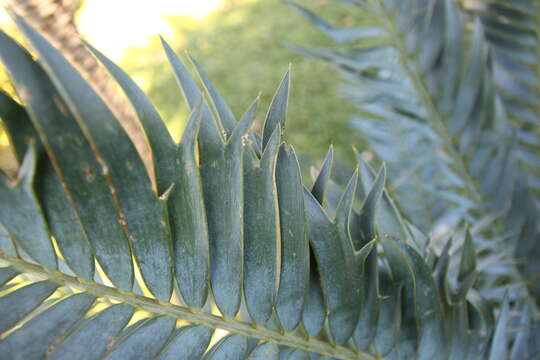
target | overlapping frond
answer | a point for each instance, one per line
(432, 111)
(97, 264)
(512, 31)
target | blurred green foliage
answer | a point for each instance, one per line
(242, 47)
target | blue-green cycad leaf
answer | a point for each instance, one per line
(389, 318)
(265, 351)
(188, 218)
(6, 274)
(499, 343)
(191, 341)
(95, 333)
(261, 231)
(40, 334)
(467, 267)
(363, 231)
(321, 182)
(298, 355)
(56, 204)
(232, 347)
(209, 127)
(221, 108)
(176, 171)
(294, 274)
(435, 109)
(367, 215)
(456, 319)
(85, 186)
(526, 344)
(511, 31)
(145, 341)
(428, 309)
(422, 303)
(7, 244)
(18, 304)
(145, 215)
(389, 220)
(470, 88)
(160, 140)
(21, 213)
(221, 174)
(277, 111)
(334, 251)
(314, 313)
(481, 323)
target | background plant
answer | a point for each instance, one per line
(448, 99)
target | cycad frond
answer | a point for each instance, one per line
(512, 30)
(431, 110)
(98, 264)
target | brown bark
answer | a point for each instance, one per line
(54, 19)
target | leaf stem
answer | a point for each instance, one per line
(184, 313)
(437, 120)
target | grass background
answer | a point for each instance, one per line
(243, 48)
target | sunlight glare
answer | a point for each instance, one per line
(112, 26)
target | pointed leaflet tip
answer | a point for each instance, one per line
(389, 219)
(278, 109)
(337, 269)
(209, 133)
(221, 108)
(157, 134)
(441, 268)
(271, 148)
(369, 207)
(467, 266)
(339, 34)
(419, 280)
(344, 207)
(189, 88)
(317, 21)
(244, 124)
(526, 331)
(319, 187)
(154, 127)
(499, 344)
(367, 175)
(364, 252)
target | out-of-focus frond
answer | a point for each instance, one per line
(431, 106)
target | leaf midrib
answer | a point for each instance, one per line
(437, 120)
(184, 313)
